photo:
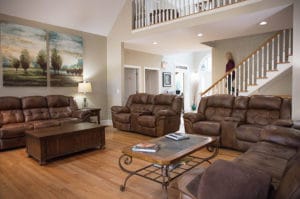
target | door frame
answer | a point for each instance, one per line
(139, 69)
(159, 77)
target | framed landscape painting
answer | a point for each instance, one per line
(66, 55)
(24, 57)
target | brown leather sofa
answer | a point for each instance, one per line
(238, 121)
(153, 115)
(269, 169)
(20, 114)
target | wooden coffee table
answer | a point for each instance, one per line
(48, 143)
(172, 159)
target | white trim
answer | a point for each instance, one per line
(106, 122)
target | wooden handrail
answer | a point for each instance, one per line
(240, 64)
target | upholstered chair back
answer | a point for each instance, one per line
(35, 108)
(216, 107)
(263, 110)
(240, 107)
(10, 110)
(59, 106)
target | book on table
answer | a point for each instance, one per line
(146, 147)
(177, 136)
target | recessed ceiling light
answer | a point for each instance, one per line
(154, 43)
(199, 34)
(263, 23)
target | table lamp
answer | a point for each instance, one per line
(85, 87)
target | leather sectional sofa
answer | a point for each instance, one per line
(153, 115)
(268, 170)
(32, 112)
(238, 121)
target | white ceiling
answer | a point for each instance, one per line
(185, 39)
(92, 16)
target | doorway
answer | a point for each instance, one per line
(131, 81)
(152, 81)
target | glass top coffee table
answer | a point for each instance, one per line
(172, 159)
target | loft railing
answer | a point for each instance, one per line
(264, 59)
(150, 12)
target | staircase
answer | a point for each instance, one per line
(146, 13)
(267, 62)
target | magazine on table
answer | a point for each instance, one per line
(177, 136)
(146, 147)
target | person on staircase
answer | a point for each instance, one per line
(231, 76)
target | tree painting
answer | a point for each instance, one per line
(42, 60)
(20, 46)
(66, 60)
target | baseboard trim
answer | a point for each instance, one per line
(106, 122)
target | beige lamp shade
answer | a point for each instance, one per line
(85, 87)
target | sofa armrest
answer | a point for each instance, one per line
(281, 135)
(283, 122)
(120, 109)
(166, 112)
(82, 114)
(194, 117)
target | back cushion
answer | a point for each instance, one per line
(141, 102)
(34, 102)
(240, 107)
(10, 103)
(60, 112)
(263, 110)
(11, 116)
(202, 105)
(218, 107)
(58, 101)
(163, 102)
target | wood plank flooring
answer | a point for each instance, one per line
(91, 174)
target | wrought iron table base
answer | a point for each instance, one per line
(163, 176)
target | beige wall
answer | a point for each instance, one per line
(137, 58)
(296, 62)
(94, 66)
(240, 47)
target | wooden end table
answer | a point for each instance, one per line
(171, 153)
(94, 112)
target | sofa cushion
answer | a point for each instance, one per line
(286, 108)
(265, 102)
(11, 116)
(164, 99)
(146, 121)
(250, 133)
(60, 112)
(224, 101)
(210, 128)
(139, 108)
(122, 117)
(57, 101)
(217, 114)
(275, 150)
(141, 98)
(289, 187)
(36, 114)
(10, 103)
(31, 102)
(14, 130)
(241, 102)
(262, 117)
(237, 182)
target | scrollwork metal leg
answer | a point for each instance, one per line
(127, 160)
(166, 179)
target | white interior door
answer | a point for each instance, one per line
(152, 81)
(131, 81)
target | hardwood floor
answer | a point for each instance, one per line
(91, 174)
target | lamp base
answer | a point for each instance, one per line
(85, 104)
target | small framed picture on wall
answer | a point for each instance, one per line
(167, 79)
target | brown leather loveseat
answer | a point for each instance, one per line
(153, 115)
(32, 112)
(238, 121)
